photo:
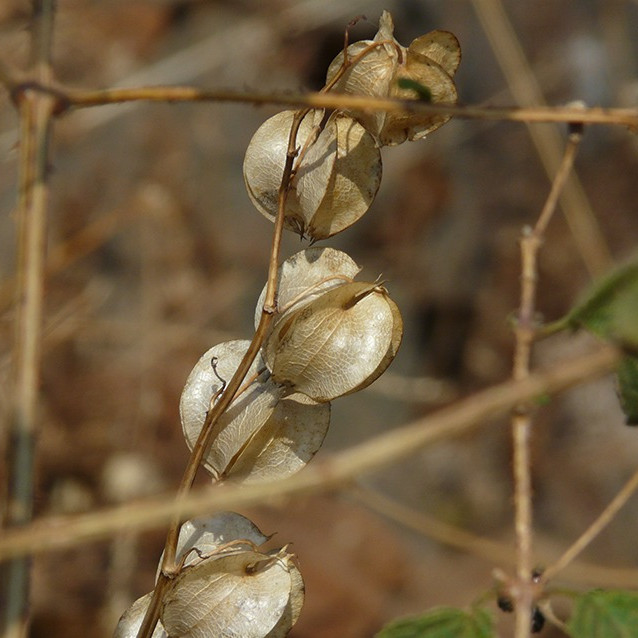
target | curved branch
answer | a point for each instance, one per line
(465, 415)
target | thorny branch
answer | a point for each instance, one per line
(525, 333)
(499, 552)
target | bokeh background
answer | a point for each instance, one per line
(156, 254)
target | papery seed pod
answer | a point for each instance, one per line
(222, 570)
(338, 343)
(308, 274)
(372, 67)
(285, 443)
(244, 594)
(131, 620)
(377, 65)
(293, 607)
(261, 436)
(207, 535)
(337, 172)
(250, 409)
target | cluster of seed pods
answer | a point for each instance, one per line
(331, 335)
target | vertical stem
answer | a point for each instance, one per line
(521, 420)
(35, 119)
(526, 91)
(169, 566)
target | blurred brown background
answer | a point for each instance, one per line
(156, 254)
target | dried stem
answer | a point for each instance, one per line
(169, 566)
(444, 533)
(525, 332)
(492, 551)
(35, 110)
(463, 416)
(606, 516)
(526, 91)
(76, 99)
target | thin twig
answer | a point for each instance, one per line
(494, 552)
(169, 566)
(75, 99)
(35, 110)
(606, 516)
(525, 90)
(525, 332)
(463, 416)
(442, 532)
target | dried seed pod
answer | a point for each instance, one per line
(238, 594)
(208, 535)
(260, 437)
(307, 274)
(131, 620)
(293, 608)
(377, 65)
(337, 173)
(250, 409)
(285, 443)
(224, 572)
(338, 343)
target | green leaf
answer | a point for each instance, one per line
(610, 309)
(442, 622)
(628, 388)
(422, 91)
(605, 614)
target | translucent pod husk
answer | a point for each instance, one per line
(226, 586)
(261, 436)
(308, 274)
(376, 66)
(372, 68)
(243, 594)
(293, 607)
(131, 620)
(207, 535)
(251, 408)
(352, 183)
(285, 443)
(337, 344)
(337, 172)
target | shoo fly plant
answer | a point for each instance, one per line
(320, 334)
(255, 411)
(258, 410)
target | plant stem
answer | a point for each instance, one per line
(463, 416)
(494, 552)
(170, 567)
(526, 91)
(554, 327)
(606, 516)
(73, 99)
(525, 332)
(35, 109)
